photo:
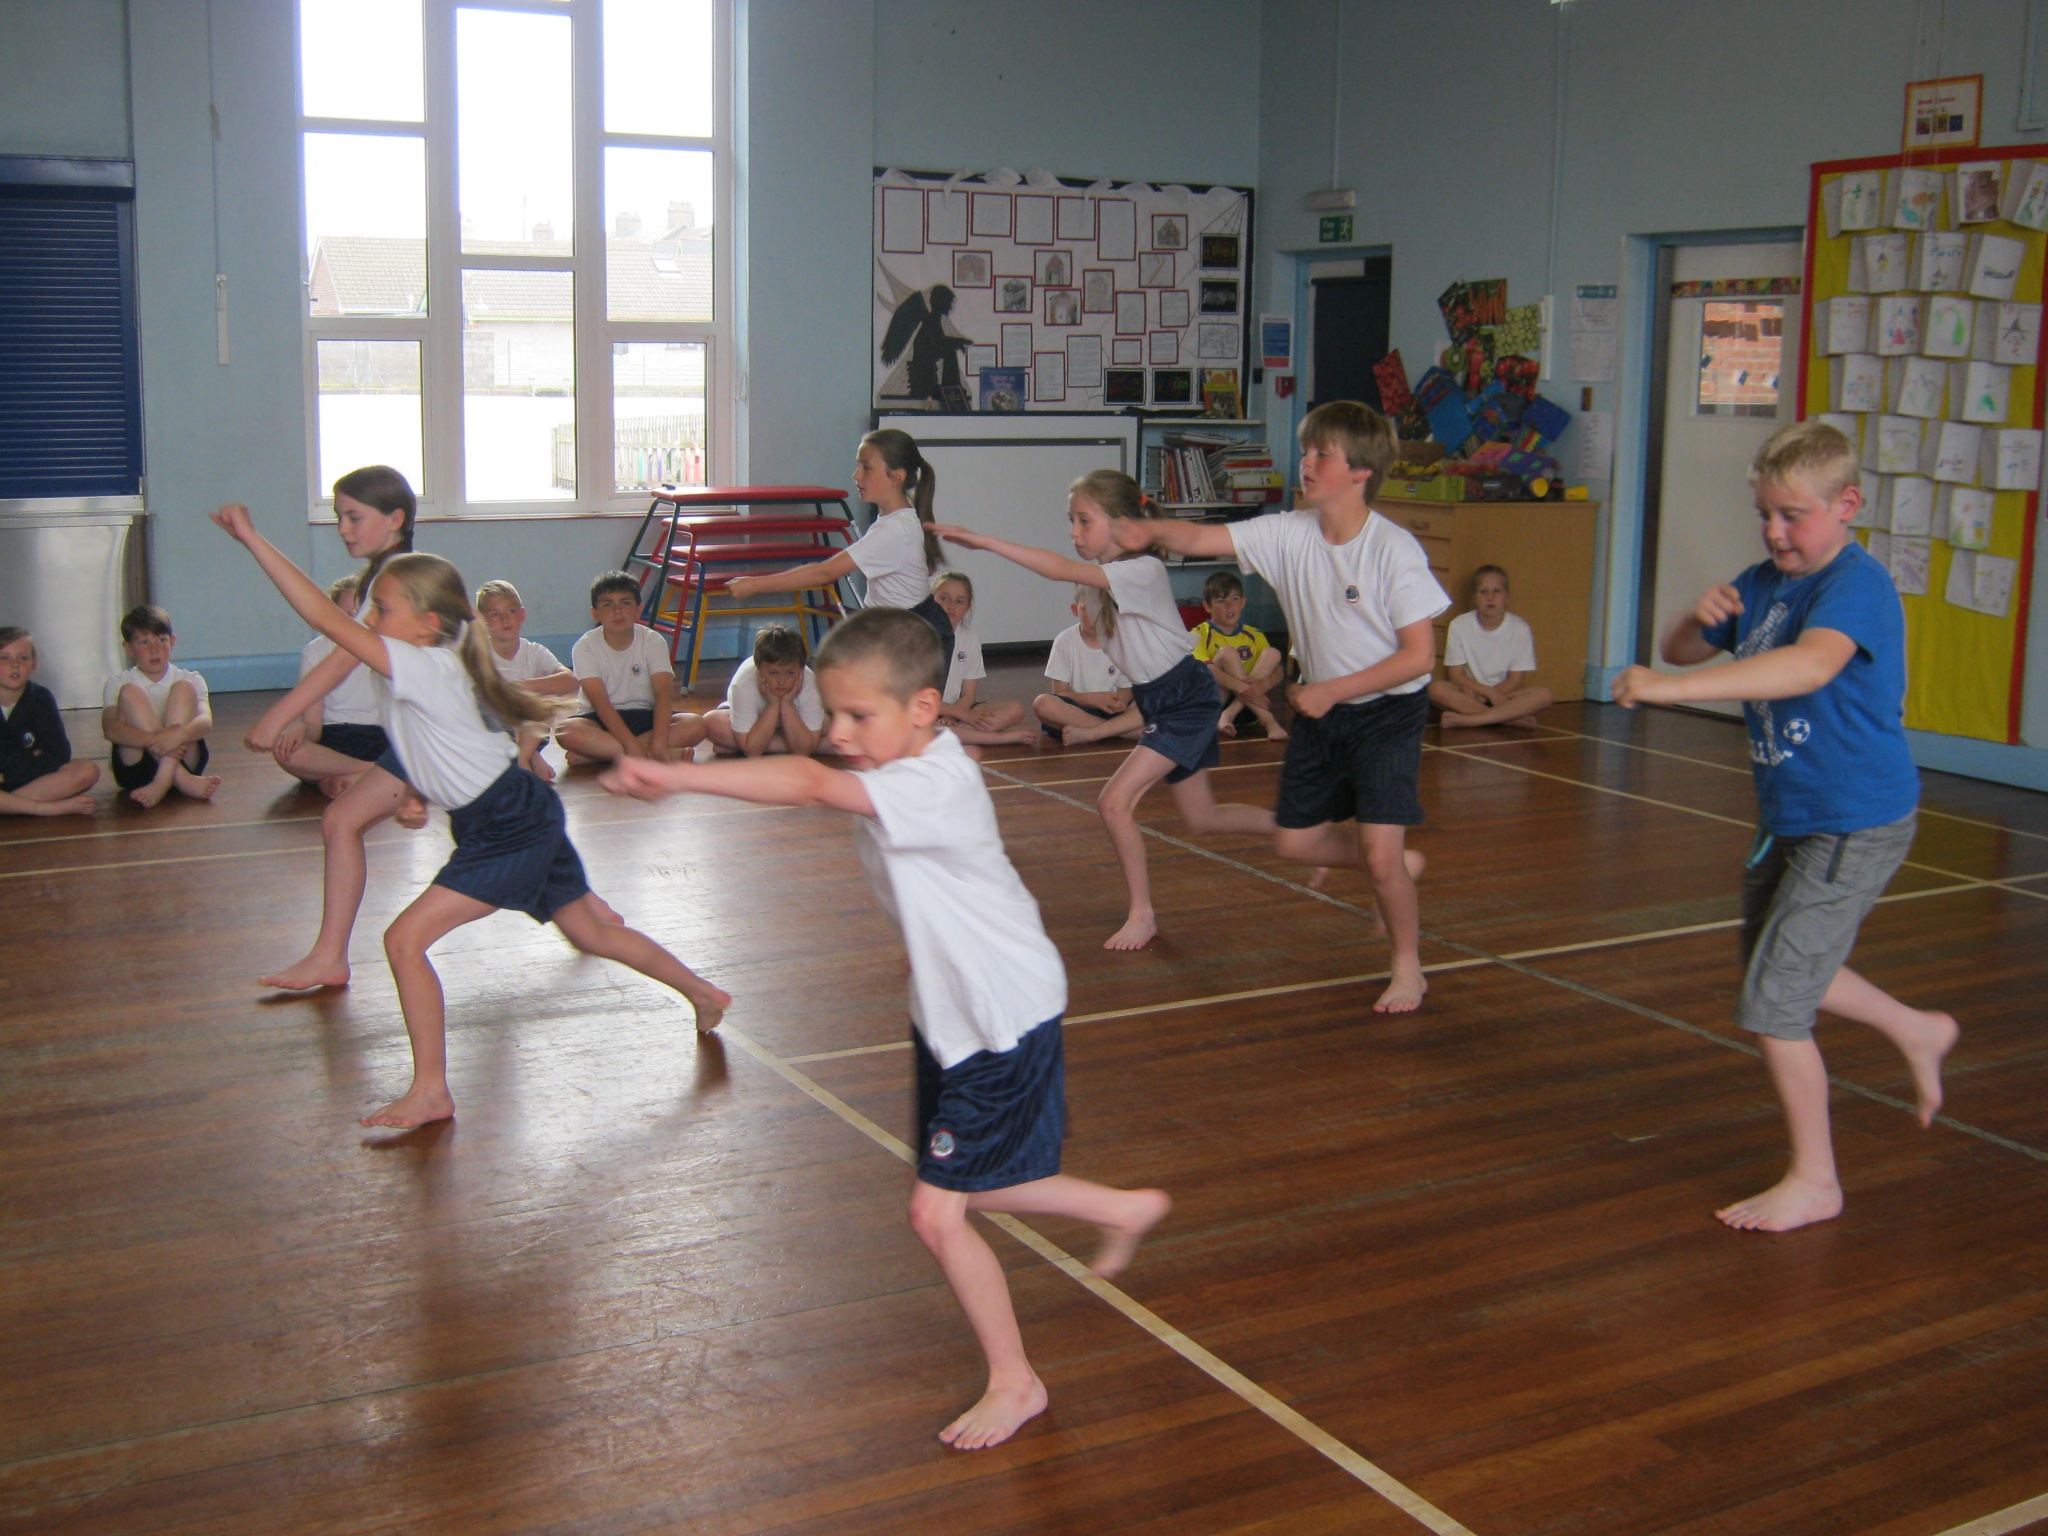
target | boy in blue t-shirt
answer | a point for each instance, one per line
(1820, 645)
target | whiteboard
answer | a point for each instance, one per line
(1045, 275)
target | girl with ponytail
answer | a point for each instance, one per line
(1132, 609)
(512, 847)
(899, 554)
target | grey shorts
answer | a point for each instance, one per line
(1803, 898)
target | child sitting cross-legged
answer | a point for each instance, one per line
(1090, 699)
(157, 716)
(987, 989)
(37, 774)
(1488, 656)
(628, 685)
(771, 704)
(337, 738)
(1244, 664)
(981, 725)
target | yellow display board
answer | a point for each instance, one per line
(1963, 667)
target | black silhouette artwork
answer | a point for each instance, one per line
(919, 326)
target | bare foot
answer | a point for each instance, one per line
(310, 973)
(1404, 992)
(1001, 1412)
(1452, 720)
(1226, 727)
(711, 1009)
(1274, 731)
(1787, 1204)
(190, 783)
(1077, 736)
(1318, 875)
(77, 805)
(420, 1106)
(1136, 933)
(150, 795)
(1120, 1243)
(1925, 1057)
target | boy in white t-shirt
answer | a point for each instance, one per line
(772, 704)
(1359, 598)
(987, 986)
(157, 716)
(1091, 698)
(628, 685)
(1488, 656)
(526, 662)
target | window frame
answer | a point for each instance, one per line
(443, 496)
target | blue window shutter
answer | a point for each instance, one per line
(70, 400)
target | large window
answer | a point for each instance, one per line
(516, 249)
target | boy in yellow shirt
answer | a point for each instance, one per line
(1243, 662)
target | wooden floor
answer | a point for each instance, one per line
(1452, 1272)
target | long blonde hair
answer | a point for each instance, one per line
(433, 586)
(899, 450)
(1119, 496)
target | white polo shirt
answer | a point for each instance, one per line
(532, 660)
(628, 675)
(1490, 654)
(966, 663)
(1084, 668)
(1344, 602)
(891, 555)
(744, 698)
(355, 700)
(983, 973)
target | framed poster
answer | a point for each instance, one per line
(1944, 114)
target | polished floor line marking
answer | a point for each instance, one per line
(196, 826)
(1220, 1371)
(1173, 1006)
(1594, 994)
(1097, 778)
(2010, 1518)
(1743, 769)
(1686, 810)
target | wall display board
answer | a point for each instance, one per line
(1924, 299)
(995, 292)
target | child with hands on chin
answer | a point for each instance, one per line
(772, 704)
(512, 847)
(1819, 639)
(987, 989)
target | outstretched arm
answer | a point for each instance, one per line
(1044, 562)
(306, 598)
(1174, 536)
(1806, 665)
(799, 781)
(819, 573)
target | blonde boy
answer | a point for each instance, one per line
(987, 988)
(628, 685)
(156, 715)
(1820, 644)
(38, 775)
(526, 662)
(1358, 598)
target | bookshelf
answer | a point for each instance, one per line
(1162, 437)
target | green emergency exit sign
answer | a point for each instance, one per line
(1334, 229)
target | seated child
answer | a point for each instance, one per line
(1244, 664)
(1488, 656)
(983, 725)
(37, 775)
(987, 989)
(526, 662)
(339, 736)
(771, 704)
(157, 715)
(628, 685)
(1090, 698)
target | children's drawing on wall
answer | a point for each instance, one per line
(918, 328)
(1169, 231)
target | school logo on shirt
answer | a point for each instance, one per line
(636, 669)
(1351, 594)
(942, 1144)
(1244, 653)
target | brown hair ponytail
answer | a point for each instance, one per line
(898, 450)
(432, 585)
(384, 488)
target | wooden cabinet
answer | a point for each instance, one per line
(1546, 547)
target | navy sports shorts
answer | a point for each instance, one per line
(512, 849)
(388, 761)
(1181, 708)
(930, 611)
(1359, 762)
(143, 770)
(365, 743)
(638, 721)
(994, 1120)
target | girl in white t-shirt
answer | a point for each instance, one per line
(336, 739)
(1131, 601)
(982, 725)
(512, 846)
(1090, 699)
(897, 554)
(1488, 656)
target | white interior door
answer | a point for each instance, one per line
(1726, 390)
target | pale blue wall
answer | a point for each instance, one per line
(63, 78)
(1679, 118)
